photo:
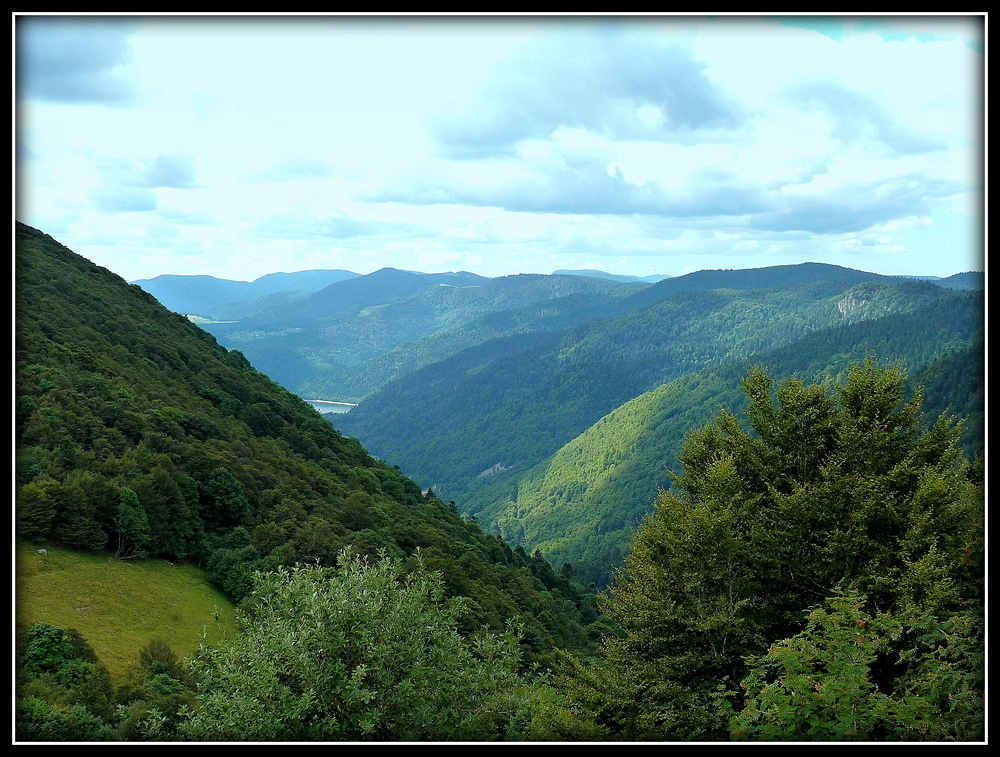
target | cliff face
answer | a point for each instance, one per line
(852, 305)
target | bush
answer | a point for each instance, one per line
(358, 652)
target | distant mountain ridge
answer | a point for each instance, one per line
(612, 276)
(971, 280)
(123, 405)
(214, 297)
(766, 277)
(329, 332)
(376, 288)
(202, 295)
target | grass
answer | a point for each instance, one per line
(119, 606)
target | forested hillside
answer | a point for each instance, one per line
(137, 433)
(583, 504)
(318, 345)
(495, 410)
(814, 572)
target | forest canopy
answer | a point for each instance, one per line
(830, 519)
(815, 571)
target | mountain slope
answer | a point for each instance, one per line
(510, 403)
(137, 433)
(608, 477)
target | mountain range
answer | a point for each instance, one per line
(553, 409)
(551, 406)
(208, 296)
(138, 434)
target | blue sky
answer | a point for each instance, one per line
(237, 146)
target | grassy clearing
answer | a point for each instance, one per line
(119, 606)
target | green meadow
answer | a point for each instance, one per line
(119, 606)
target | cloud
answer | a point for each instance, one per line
(110, 200)
(587, 184)
(174, 171)
(929, 28)
(613, 80)
(856, 206)
(126, 186)
(291, 169)
(76, 60)
(858, 117)
(834, 27)
(336, 226)
(184, 218)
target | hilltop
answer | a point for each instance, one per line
(126, 408)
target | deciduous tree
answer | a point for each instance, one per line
(358, 652)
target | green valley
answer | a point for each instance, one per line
(565, 508)
(139, 437)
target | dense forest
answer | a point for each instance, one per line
(528, 432)
(137, 433)
(607, 476)
(812, 570)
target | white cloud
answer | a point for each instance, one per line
(619, 80)
(668, 142)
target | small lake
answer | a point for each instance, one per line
(331, 406)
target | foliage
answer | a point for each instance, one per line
(132, 526)
(47, 650)
(828, 487)
(137, 433)
(360, 652)
(37, 720)
(65, 693)
(819, 684)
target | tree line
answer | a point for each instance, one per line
(830, 529)
(815, 573)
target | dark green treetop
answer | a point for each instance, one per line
(824, 488)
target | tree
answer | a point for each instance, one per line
(825, 487)
(819, 684)
(63, 691)
(37, 506)
(131, 526)
(224, 503)
(358, 652)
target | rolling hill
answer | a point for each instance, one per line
(508, 403)
(139, 435)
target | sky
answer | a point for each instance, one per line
(236, 146)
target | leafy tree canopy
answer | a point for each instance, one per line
(825, 488)
(358, 652)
